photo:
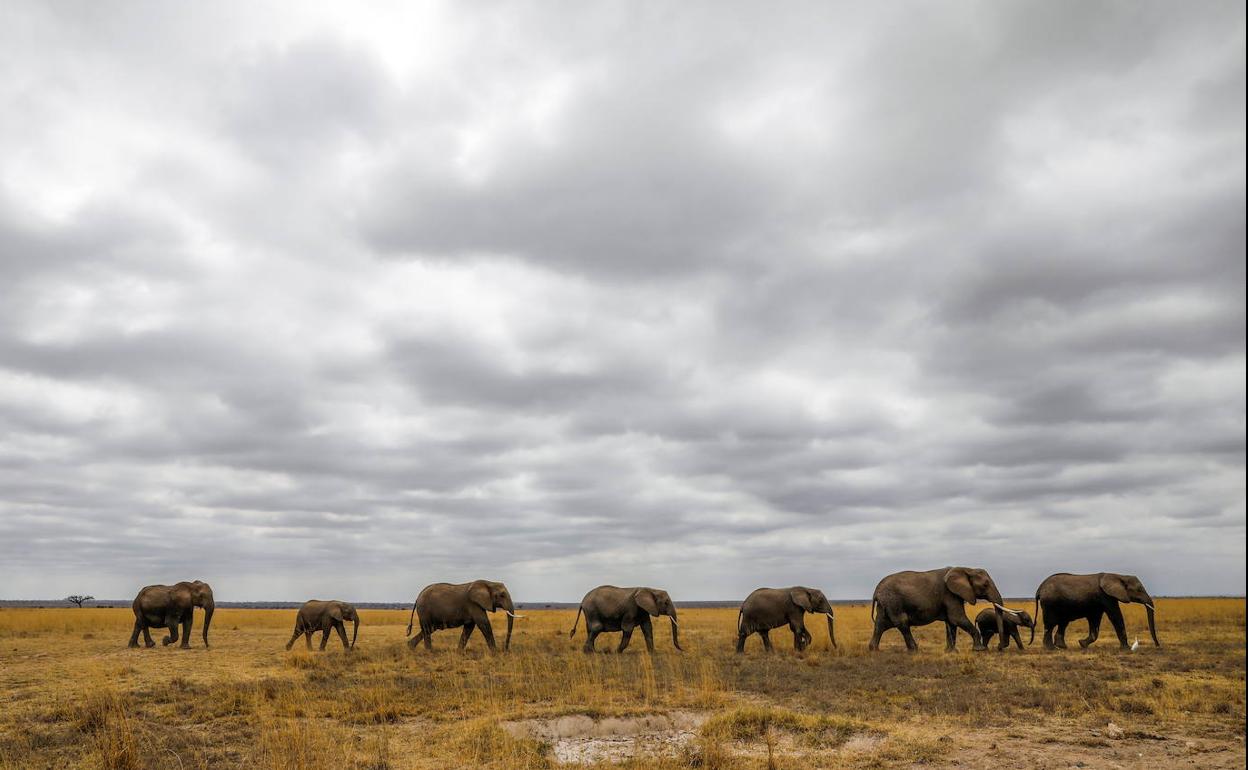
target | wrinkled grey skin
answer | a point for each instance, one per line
(610, 608)
(908, 599)
(325, 616)
(466, 605)
(168, 607)
(1065, 597)
(986, 622)
(768, 608)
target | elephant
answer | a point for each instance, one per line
(317, 615)
(451, 605)
(768, 608)
(907, 599)
(168, 607)
(1065, 597)
(986, 622)
(611, 608)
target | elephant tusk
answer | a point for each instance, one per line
(674, 623)
(1005, 609)
(1150, 607)
(514, 615)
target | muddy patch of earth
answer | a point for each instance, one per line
(581, 739)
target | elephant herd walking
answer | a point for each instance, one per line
(902, 601)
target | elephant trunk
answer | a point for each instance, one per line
(511, 619)
(209, 608)
(355, 631)
(997, 601)
(675, 635)
(1152, 622)
(832, 630)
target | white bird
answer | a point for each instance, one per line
(1136, 645)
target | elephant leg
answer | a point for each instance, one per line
(1120, 627)
(766, 634)
(427, 632)
(186, 629)
(1048, 634)
(1094, 630)
(134, 635)
(591, 635)
(307, 638)
(324, 637)
(1060, 638)
(911, 645)
(488, 632)
(463, 635)
(297, 634)
(625, 638)
(171, 623)
(647, 631)
(148, 641)
(881, 625)
(415, 640)
(741, 636)
(1018, 638)
(958, 618)
(799, 642)
(951, 637)
(341, 628)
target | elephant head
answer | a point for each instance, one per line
(813, 600)
(201, 596)
(341, 612)
(1024, 619)
(656, 602)
(491, 597)
(1128, 588)
(970, 585)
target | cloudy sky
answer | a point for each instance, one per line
(562, 294)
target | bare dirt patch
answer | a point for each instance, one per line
(581, 739)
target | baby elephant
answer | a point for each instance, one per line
(987, 623)
(318, 615)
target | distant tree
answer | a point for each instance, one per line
(79, 600)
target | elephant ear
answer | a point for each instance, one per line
(1113, 585)
(959, 583)
(335, 612)
(480, 595)
(801, 597)
(645, 600)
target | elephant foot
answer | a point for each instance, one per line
(149, 645)
(133, 645)
(980, 648)
(1083, 644)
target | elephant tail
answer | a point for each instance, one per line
(572, 633)
(412, 619)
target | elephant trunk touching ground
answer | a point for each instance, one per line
(832, 630)
(355, 630)
(209, 607)
(510, 609)
(1152, 622)
(675, 637)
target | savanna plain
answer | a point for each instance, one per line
(73, 695)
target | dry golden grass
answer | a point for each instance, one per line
(74, 695)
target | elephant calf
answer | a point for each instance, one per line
(317, 615)
(986, 621)
(768, 608)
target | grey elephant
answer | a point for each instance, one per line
(768, 608)
(611, 608)
(161, 606)
(908, 599)
(1065, 597)
(467, 605)
(325, 616)
(986, 622)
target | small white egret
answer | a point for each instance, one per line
(1136, 645)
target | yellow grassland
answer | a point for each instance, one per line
(73, 695)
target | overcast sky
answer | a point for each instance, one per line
(707, 298)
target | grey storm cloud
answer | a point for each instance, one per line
(705, 296)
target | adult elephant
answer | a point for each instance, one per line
(768, 608)
(169, 607)
(452, 605)
(908, 599)
(1065, 597)
(325, 616)
(611, 608)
